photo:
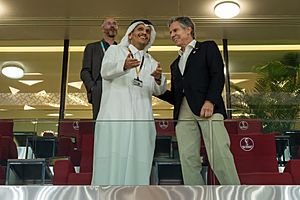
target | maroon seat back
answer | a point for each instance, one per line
(69, 128)
(6, 127)
(254, 153)
(87, 153)
(244, 126)
(65, 146)
(165, 127)
(8, 148)
(231, 126)
(86, 126)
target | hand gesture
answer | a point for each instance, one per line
(130, 62)
(157, 73)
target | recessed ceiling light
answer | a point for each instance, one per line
(30, 82)
(32, 74)
(227, 9)
(57, 115)
(13, 70)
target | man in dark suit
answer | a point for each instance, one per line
(92, 60)
(197, 81)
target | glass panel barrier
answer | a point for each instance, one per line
(164, 148)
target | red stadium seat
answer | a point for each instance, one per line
(8, 150)
(255, 160)
(165, 127)
(293, 167)
(6, 127)
(64, 172)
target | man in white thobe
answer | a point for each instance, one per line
(125, 131)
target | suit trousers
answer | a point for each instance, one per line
(217, 143)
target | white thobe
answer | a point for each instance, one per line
(125, 131)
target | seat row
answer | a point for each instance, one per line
(254, 154)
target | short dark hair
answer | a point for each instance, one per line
(184, 22)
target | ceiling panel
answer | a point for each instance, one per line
(48, 23)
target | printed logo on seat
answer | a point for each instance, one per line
(243, 125)
(163, 124)
(76, 125)
(247, 144)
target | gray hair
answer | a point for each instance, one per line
(185, 22)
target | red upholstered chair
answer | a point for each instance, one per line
(64, 172)
(65, 147)
(69, 129)
(293, 167)
(6, 127)
(255, 160)
(8, 150)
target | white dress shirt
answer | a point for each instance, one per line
(185, 54)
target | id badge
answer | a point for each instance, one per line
(137, 82)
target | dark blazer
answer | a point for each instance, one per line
(203, 79)
(90, 74)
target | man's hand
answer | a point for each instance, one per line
(207, 109)
(157, 74)
(130, 62)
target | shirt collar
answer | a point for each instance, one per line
(134, 50)
(106, 43)
(191, 45)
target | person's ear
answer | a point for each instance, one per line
(130, 36)
(190, 30)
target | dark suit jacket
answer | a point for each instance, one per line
(90, 72)
(203, 79)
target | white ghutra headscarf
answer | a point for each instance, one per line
(125, 40)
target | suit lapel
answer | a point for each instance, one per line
(190, 58)
(176, 66)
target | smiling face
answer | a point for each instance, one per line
(140, 36)
(180, 35)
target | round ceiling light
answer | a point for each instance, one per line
(12, 70)
(227, 9)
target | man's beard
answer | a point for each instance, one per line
(111, 33)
